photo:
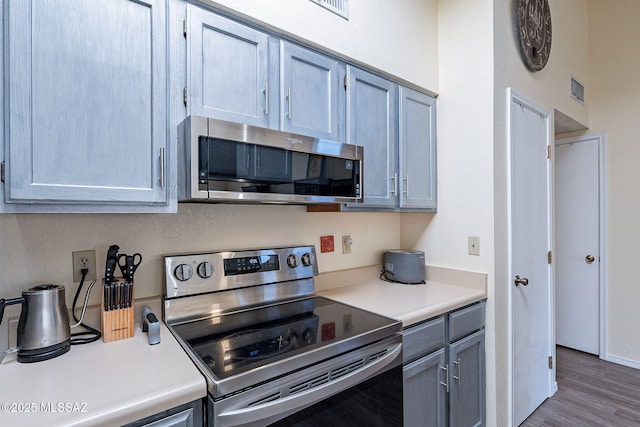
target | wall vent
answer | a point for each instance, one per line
(577, 90)
(339, 7)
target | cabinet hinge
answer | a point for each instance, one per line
(184, 28)
(550, 362)
(2, 171)
(345, 82)
(549, 257)
(548, 151)
(184, 96)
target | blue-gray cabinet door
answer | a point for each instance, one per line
(228, 73)
(424, 393)
(87, 103)
(312, 93)
(372, 122)
(467, 381)
(417, 150)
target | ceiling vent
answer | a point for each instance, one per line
(339, 7)
(577, 90)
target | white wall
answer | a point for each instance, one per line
(465, 158)
(614, 109)
(37, 248)
(397, 37)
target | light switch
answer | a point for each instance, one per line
(474, 245)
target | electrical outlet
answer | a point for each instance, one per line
(84, 259)
(347, 241)
(474, 245)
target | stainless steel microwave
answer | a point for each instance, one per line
(222, 161)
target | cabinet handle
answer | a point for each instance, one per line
(394, 190)
(406, 185)
(289, 104)
(446, 377)
(457, 363)
(162, 168)
(266, 97)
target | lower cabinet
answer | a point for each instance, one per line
(445, 386)
(424, 397)
(467, 381)
(187, 415)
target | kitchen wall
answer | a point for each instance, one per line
(37, 248)
(399, 40)
(465, 158)
(614, 109)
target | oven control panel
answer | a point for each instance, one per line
(198, 273)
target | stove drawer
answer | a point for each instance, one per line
(422, 339)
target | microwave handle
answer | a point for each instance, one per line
(290, 404)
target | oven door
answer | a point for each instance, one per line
(361, 387)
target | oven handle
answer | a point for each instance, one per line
(272, 411)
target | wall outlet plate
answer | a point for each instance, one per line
(84, 259)
(346, 244)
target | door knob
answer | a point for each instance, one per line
(518, 281)
(589, 259)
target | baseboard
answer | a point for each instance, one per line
(622, 361)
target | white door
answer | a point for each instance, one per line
(577, 205)
(530, 243)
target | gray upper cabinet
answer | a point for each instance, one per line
(397, 128)
(312, 93)
(86, 106)
(417, 151)
(372, 123)
(229, 75)
(238, 73)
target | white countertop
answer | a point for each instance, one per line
(445, 290)
(99, 383)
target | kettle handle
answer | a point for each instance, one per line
(6, 302)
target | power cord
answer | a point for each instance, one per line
(91, 334)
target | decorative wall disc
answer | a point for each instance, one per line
(534, 32)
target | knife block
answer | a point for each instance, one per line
(117, 324)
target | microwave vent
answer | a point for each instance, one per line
(339, 7)
(577, 90)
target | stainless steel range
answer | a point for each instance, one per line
(272, 352)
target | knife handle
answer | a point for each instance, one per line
(106, 297)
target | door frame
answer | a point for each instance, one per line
(514, 96)
(603, 350)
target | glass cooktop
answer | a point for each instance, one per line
(234, 343)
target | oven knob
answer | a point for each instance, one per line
(306, 260)
(292, 261)
(307, 335)
(183, 272)
(205, 269)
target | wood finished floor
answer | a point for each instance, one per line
(591, 392)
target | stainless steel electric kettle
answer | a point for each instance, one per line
(43, 327)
